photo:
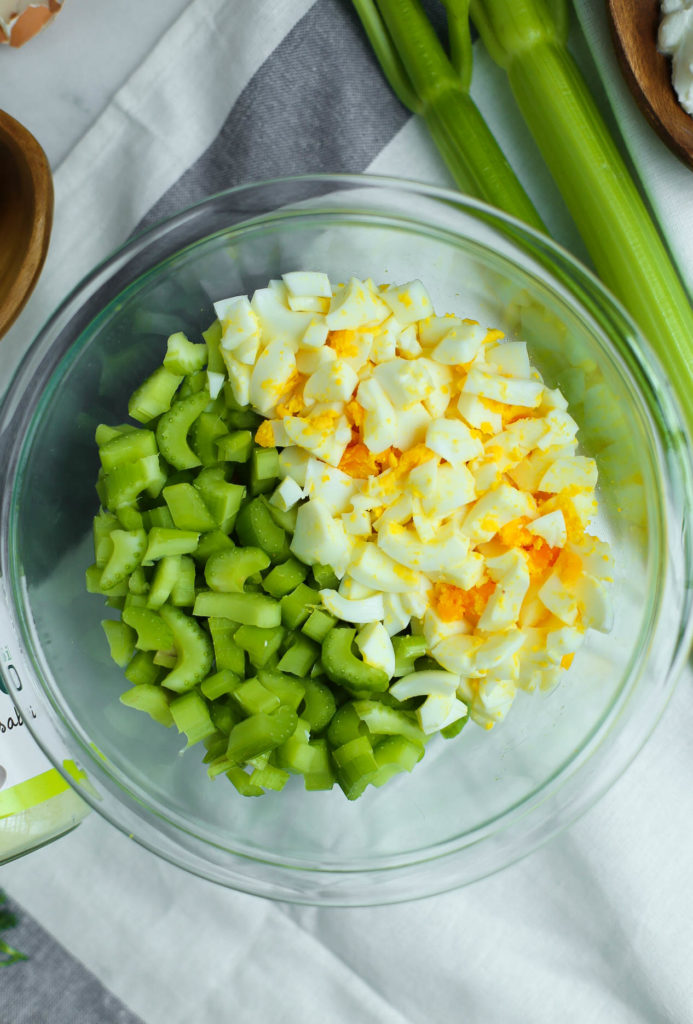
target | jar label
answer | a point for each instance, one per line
(27, 777)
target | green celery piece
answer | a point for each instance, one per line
(153, 633)
(191, 716)
(297, 606)
(289, 690)
(259, 644)
(345, 725)
(325, 577)
(242, 419)
(356, 766)
(121, 640)
(254, 698)
(264, 470)
(212, 337)
(260, 733)
(227, 571)
(92, 577)
(225, 716)
(223, 499)
(166, 575)
(346, 669)
(162, 542)
(130, 518)
(193, 647)
(141, 671)
(187, 508)
(207, 429)
(299, 657)
(255, 527)
(319, 704)
(286, 518)
(127, 480)
(172, 430)
(184, 356)
(318, 624)
(104, 433)
(295, 754)
(269, 777)
(103, 525)
(160, 516)
(319, 774)
(227, 653)
(235, 447)
(221, 683)
(209, 544)
(419, 70)
(183, 590)
(247, 609)
(193, 383)
(165, 658)
(395, 754)
(241, 782)
(528, 39)
(407, 650)
(127, 552)
(130, 447)
(151, 699)
(384, 720)
(154, 396)
(284, 578)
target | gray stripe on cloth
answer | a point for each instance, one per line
(52, 986)
(318, 104)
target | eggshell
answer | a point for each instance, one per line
(21, 20)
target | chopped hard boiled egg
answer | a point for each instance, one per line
(428, 464)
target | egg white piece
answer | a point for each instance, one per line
(366, 609)
(376, 647)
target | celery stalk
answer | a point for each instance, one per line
(528, 39)
(423, 77)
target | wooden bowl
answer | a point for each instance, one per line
(26, 215)
(634, 27)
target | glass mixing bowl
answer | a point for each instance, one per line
(475, 803)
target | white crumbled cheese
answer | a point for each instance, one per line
(436, 473)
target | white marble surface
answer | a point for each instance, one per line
(60, 81)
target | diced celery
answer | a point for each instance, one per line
(130, 518)
(253, 697)
(142, 669)
(260, 733)
(154, 396)
(259, 644)
(205, 432)
(227, 571)
(221, 498)
(128, 549)
(384, 720)
(395, 754)
(241, 782)
(299, 657)
(269, 777)
(128, 479)
(356, 766)
(222, 682)
(297, 606)
(227, 653)
(173, 427)
(289, 690)
(153, 633)
(345, 725)
(319, 704)
(193, 647)
(209, 544)
(224, 715)
(318, 624)
(121, 640)
(187, 508)
(235, 447)
(255, 527)
(212, 337)
(191, 716)
(163, 581)
(264, 470)
(407, 650)
(247, 609)
(284, 577)
(319, 773)
(129, 447)
(151, 699)
(344, 667)
(162, 542)
(455, 728)
(183, 590)
(325, 577)
(160, 516)
(183, 356)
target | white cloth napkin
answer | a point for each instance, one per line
(594, 927)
